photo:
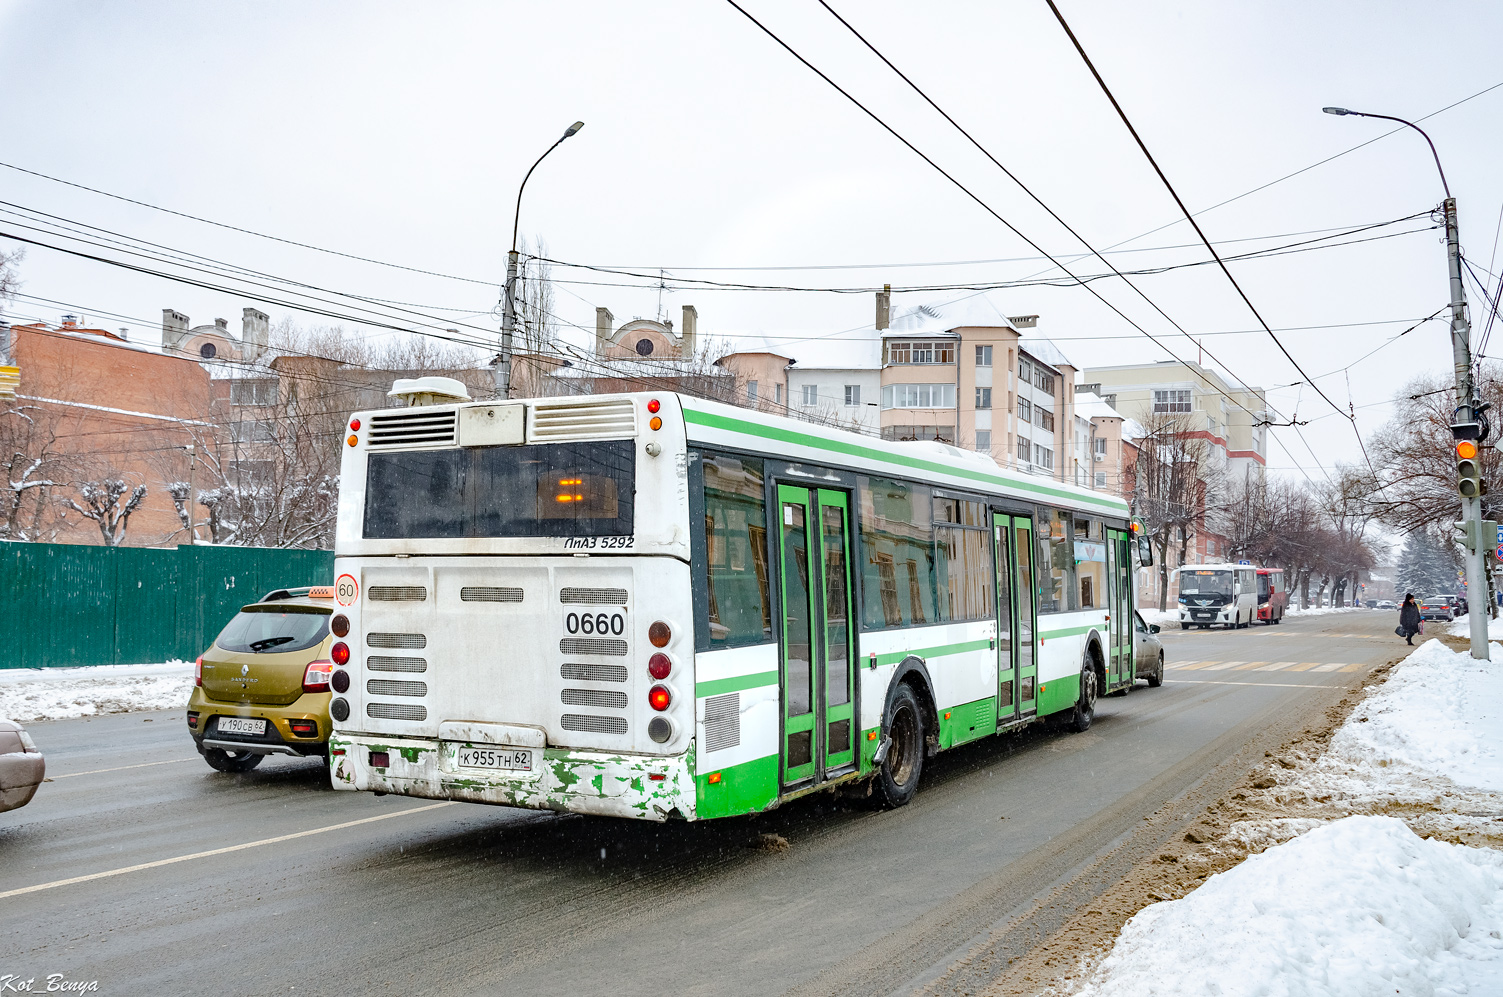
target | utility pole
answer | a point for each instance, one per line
(192, 492)
(509, 307)
(1469, 422)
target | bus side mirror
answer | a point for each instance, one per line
(1145, 552)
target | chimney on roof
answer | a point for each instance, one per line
(70, 321)
(686, 337)
(884, 306)
(604, 324)
(174, 329)
(124, 332)
(223, 325)
(254, 333)
(1023, 321)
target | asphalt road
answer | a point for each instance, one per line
(141, 868)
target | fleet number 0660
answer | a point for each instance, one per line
(595, 623)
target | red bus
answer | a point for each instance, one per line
(1273, 596)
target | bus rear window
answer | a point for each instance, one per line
(542, 490)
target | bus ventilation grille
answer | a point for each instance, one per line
(723, 721)
(396, 711)
(592, 645)
(411, 642)
(380, 663)
(592, 597)
(398, 593)
(409, 426)
(586, 420)
(483, 593)
(610, 699)
(393, 687)
(593, 724)
(580, 672)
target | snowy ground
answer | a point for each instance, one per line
(30, 694)
(1349, 898)
(1172, 615)
(1463, 627)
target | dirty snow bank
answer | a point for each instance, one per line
(1462, 627)
(31, 694)
(1356, 907)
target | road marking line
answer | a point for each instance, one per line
(1352, 668)
(218, 851)
(1275, 685)
(1327, 668)
(1191, 666)
(120, 768)
(1304, 666)
(1223, 666)
(1250, 665)
(1277, 666)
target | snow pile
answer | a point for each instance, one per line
(30, 694)
(1463, 627)
(1294, 610)
(1356, 907)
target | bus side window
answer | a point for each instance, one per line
(740, 611)
(897, 544)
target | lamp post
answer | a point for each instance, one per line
(1468, 416)
(509, 309)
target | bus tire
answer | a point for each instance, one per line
(1084, 710)
(1157, 678)
(222, 761)
(898, 778)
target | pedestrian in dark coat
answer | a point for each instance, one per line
(1409, 619)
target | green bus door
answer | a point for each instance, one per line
(1119, 654)
(818, 651)
(1017, 671)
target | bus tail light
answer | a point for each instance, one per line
(316, 676)
(659, 634)
(340, 681)
(198, 671)
(659, 698)
(659, 665)
(340, 653)
(340, 625)
(660, 729)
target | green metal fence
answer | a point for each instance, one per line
(67, 604)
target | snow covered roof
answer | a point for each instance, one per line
(1045, 350)
(596, 367)
(1090, 405)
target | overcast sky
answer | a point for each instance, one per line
(400, 132)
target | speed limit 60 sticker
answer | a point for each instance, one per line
(346, 590)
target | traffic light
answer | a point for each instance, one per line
(1468, 470)
(1466, 535)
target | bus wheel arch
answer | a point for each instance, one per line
(1091, 686)
(913, 672)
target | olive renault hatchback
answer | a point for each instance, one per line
(262, 688)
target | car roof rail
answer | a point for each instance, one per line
(285, 594)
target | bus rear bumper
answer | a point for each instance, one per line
(645, 787)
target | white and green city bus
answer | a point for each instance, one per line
(649, 605)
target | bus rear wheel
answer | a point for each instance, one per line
(1085, 707)
(898, 778)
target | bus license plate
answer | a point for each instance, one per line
(511, 759)
(241, 725)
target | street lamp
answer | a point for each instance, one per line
(1467, 427)
(509, 311)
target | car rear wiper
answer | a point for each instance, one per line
(269, 642)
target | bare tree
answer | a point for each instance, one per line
(1170, 488)
(106, 503)
(10, 279)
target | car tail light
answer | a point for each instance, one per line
(659, 633)
(659, 698)
(193, 720)
(316, 677)
(340, 653)
(198, 671)
(340, 625)
(659, 665)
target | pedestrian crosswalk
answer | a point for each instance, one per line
(1265, 666)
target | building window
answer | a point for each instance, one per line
(920, 352)
(1025, 410)
(777, 394)
(1100, 479)
(644, 347)
(1025, 371)
(940, 395)
(983, 356)
(984, 440)
(983, 398)
(1043, 456)
(944, 434)
(1025, 449)
(1175, 400)
(1099, 445)
(1043, 380)
(1043, 417)
(751, 390)
(853, 394)
(260, 391)
(253, 431)
(811, 394)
